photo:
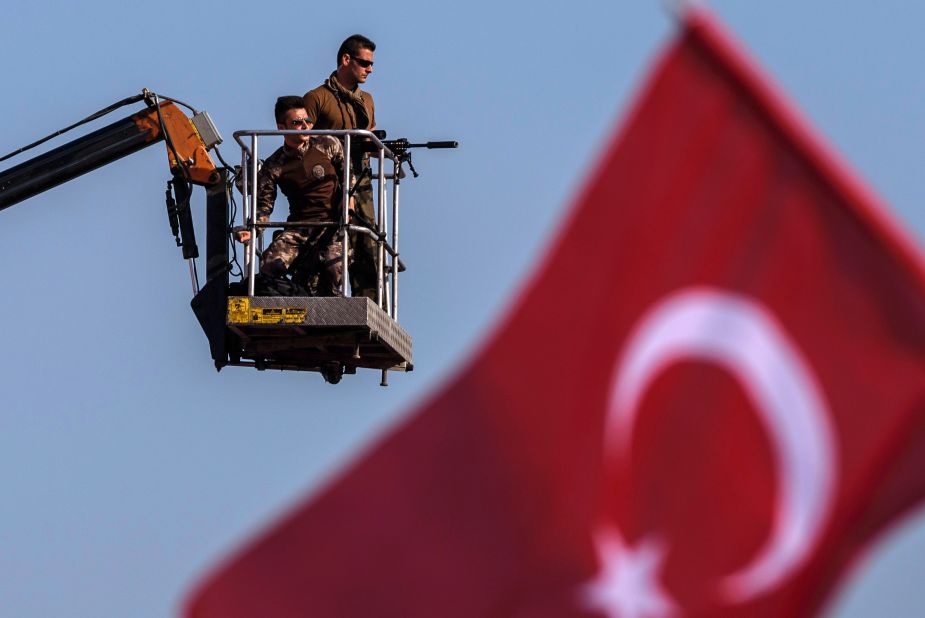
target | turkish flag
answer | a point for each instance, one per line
(708, 400)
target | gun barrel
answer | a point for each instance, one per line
(402, 145)
(445, 144)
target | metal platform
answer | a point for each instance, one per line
(307, 333)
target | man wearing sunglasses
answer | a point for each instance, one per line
(308, 170)
(338, 104)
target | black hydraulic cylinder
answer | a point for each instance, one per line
(183, 192)
(73, 159)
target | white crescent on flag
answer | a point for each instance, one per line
(741, 336)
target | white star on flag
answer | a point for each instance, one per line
(626, 585)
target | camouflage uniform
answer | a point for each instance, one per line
(319, 253)
(363, 273)
(310, 179)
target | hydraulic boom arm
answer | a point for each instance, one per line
(187, 155)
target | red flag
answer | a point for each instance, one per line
(709, 399)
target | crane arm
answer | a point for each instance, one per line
(164, 122)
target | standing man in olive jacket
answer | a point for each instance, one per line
(339, 103)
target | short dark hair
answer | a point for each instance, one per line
(352, 46)
(284, 104)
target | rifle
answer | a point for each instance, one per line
(401, 147)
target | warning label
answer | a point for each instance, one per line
(240, 312)
(294, 315)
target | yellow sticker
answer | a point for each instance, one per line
(238, 310)
(294, 315)
(269, 315)
(277, 315)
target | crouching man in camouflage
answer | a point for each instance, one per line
(308, 170)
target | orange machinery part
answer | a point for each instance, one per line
(185, 139)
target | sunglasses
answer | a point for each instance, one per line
(300, 122)
(363, 63)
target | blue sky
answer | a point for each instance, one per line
(128, 465)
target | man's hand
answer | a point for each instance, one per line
(242, 235)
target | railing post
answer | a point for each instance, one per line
(397, 176)
(345, 218)
(252, 220)
(380, 227)
(245, 191)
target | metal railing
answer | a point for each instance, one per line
(387, 244)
